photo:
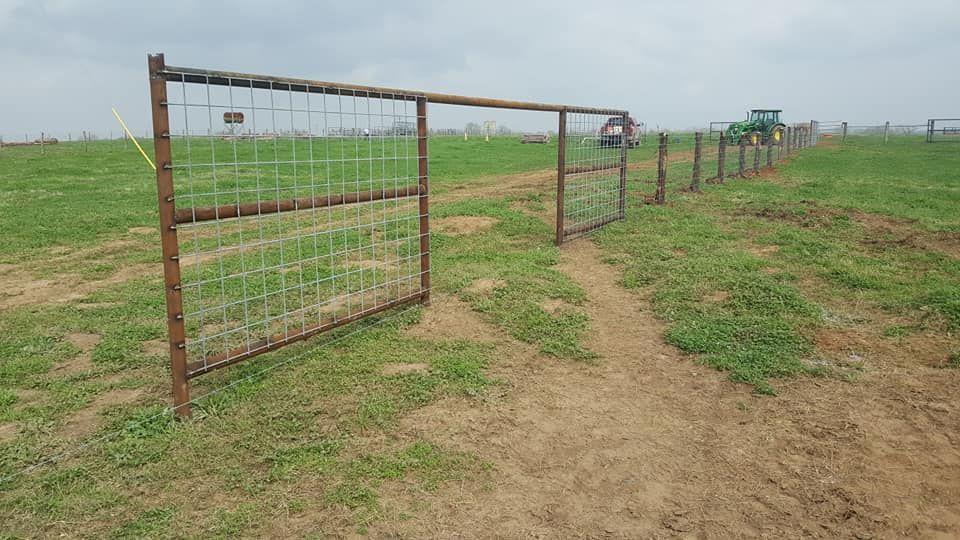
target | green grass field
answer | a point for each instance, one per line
(745, 276)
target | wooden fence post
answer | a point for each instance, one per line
(757, 137)
(770, 152)
(697, 152)
(742, 164)
(660, 195)
(721, 157)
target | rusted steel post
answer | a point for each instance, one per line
(625, 143)
(424, 200)
(756, 152)
(721, 157)
(770, 145)
(660, 195)
(561, 171)
(742, 164)
(697, 153)
(843, 132)
(176, 332)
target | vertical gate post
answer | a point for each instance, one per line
(625, 143)
(660, 195)
(561, 171)
(423, 192)
(757, 137)
(697, 153)
(843, 132)
(721, 157)
(742, 163)
(168, 236)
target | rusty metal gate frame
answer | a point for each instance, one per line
(589, 172)
(182, 368)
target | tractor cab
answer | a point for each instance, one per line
(765, 116)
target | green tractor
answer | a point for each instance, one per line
(765, 121)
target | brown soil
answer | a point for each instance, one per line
(763, 251)
(87, 420)
(648, 444)
(80, 362)
(885, 232)
(717, 297)
(448, 318)
(400, 369)
(21, 288)
(556, 305)
(143, 230)
(484, 286)
(9, 432)
(155, 347)
(458, 225)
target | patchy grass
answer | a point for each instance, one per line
(293, 440)
(745, 272)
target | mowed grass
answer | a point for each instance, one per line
(745, 274)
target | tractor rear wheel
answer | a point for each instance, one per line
(776, 135)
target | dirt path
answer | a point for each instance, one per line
(646, 443)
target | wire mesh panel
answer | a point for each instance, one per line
(592, 170)
(297, 208)
(943, 130)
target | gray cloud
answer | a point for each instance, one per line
(676, 64)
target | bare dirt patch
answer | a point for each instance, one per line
(763, 251)
(9, 432)
(82, 361)
(556, 305)
(717, 297)
(886, 232)
(21, 288)
(460, 225)
(484, 286)
(448, 318)
(143, 230)
(87, 420)
(155, 347)
(401, 369)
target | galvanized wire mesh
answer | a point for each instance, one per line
(594, 165)
(299, 217)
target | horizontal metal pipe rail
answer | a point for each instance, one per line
(195, 215)
(248, 80)
(275, 341)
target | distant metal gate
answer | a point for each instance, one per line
(591, 170)
(943, 130)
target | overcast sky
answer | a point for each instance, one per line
(676, 64)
